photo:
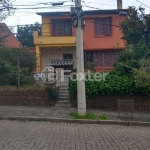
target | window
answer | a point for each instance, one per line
(61, 28)
(102, 27)
(101, 58)
(67, 56)
(89, 56)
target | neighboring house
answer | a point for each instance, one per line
(7, 38)
(57, 44)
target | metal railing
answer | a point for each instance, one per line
(62, 81)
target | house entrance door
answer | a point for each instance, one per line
(62, 80)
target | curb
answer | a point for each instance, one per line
(79, 121)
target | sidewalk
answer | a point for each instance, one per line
(63, 113)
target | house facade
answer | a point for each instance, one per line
(101, 36)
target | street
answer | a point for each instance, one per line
(15, 135)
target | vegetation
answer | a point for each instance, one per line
(25, 34)
(87, 116)
(135, 59)
(132, 71)
(9, 67)
(112, 83)
(136, 27)
(102, 117)
(51, 94)
(6, 9)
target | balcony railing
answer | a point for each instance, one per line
(55, 35)
(48, 39)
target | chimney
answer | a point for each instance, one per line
(119, 4)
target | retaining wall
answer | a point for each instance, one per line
(27, 97)
(141, 102)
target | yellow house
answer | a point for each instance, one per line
(57, 42)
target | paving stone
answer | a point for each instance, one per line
(15, 135)
(53, 136)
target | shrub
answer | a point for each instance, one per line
(51, 94)
(113, 83)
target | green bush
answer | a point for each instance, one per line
(112, 83)
(51, 94)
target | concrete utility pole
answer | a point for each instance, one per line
(80, 62)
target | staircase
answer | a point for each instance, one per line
(63, 99)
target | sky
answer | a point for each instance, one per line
(28, 16)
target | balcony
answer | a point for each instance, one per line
(54, 40)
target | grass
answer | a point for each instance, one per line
(103, 117)
(87, 116)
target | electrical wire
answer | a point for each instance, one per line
(47, 3)
(52, 7)
(64, 21)
(100, 3)
(143, 4)
(38, 7)
(90, 7)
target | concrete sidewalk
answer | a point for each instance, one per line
(63, 113)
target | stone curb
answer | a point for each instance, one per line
(80, 121)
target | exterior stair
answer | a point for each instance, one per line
(63, 99)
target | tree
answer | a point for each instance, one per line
(135, 59)
(25, 34)
(130, 57)
(6, 9)
(135, 27)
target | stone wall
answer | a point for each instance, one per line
(27, 97)
(141, 102)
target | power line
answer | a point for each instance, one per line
(38, 7)
(23, 8)
(90, 7)
(54, 23)
(46, 3)
(100, 4)
(143, 4)
(31, 8)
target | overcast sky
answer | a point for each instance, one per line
(28, 16)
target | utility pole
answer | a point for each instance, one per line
(81, 96)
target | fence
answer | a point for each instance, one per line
(16, 67)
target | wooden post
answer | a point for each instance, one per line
(18, 72)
